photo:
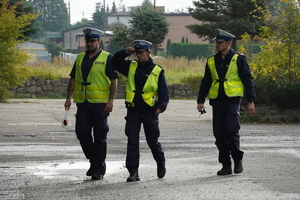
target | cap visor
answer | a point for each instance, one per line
(140, 49)
(219, 40)
(93, 39)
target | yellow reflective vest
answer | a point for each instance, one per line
(232, 83)
(149, 92)
(96, 89)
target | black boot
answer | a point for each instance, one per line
(238, 166)
(90, 172)
(226, 170)
(133, 177)
(161, 170)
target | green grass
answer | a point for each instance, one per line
(59, 68)
(175, 69)
(178, 68)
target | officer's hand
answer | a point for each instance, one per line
(130, 50)
(109, 106)
(158, 111)
(67, 104)
(250, 109)
(200, 107)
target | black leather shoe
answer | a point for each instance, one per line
(226, 170)
(161, 170)
(238, 166)
(89, 172)
(97, 177)
(133, 177)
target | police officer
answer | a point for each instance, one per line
(227, 77)
(93, 84)
(146, 97)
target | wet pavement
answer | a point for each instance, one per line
(41, 160)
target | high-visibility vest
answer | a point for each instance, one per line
(96, 89)
(149, 92)
(233, 85)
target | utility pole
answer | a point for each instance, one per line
(45, 22)
(70, 33)
(104, 27)
(69, 14)
(154, 4)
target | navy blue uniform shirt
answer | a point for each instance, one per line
(222, 67)
(142, 72)
(87, 64)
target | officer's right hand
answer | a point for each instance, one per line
(130, 50)
(250, 109)
(67, 104)
(200, 107)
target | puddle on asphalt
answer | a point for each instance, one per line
(49, 171)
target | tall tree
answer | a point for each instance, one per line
(114, 8)
(99, 16)
(148, 24)
(235, 16)
(54, 14)
(12, 57)
(147, 3)
(80, 23)
(145, 23)
(26, 8)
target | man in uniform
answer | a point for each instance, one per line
(146, 97)
(227, 77)
(93, 84)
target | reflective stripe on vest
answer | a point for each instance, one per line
(232, 83)
(96, 89)
(149, 92)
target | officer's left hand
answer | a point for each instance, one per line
(250, 109)
(108, 107)
(158, 111)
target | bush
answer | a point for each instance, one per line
(193, 81)
(287, 96)
(268, 91)
(191, 51)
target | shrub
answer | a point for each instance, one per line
(285, 96)
(193, 81)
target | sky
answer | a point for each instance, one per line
(85, 8)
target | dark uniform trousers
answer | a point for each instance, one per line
(135, 117)
(226, 126)
(91, 117)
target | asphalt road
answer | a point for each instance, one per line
(41, 160)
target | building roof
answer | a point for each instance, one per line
(165, 14)
(82, 27)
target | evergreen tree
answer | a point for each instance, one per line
(236, 17)
(99, 17)
(114, 8)
(82, 22)
(26, 8)
(147, 3)
(146, 24)
(168, 43)
(53, 14)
